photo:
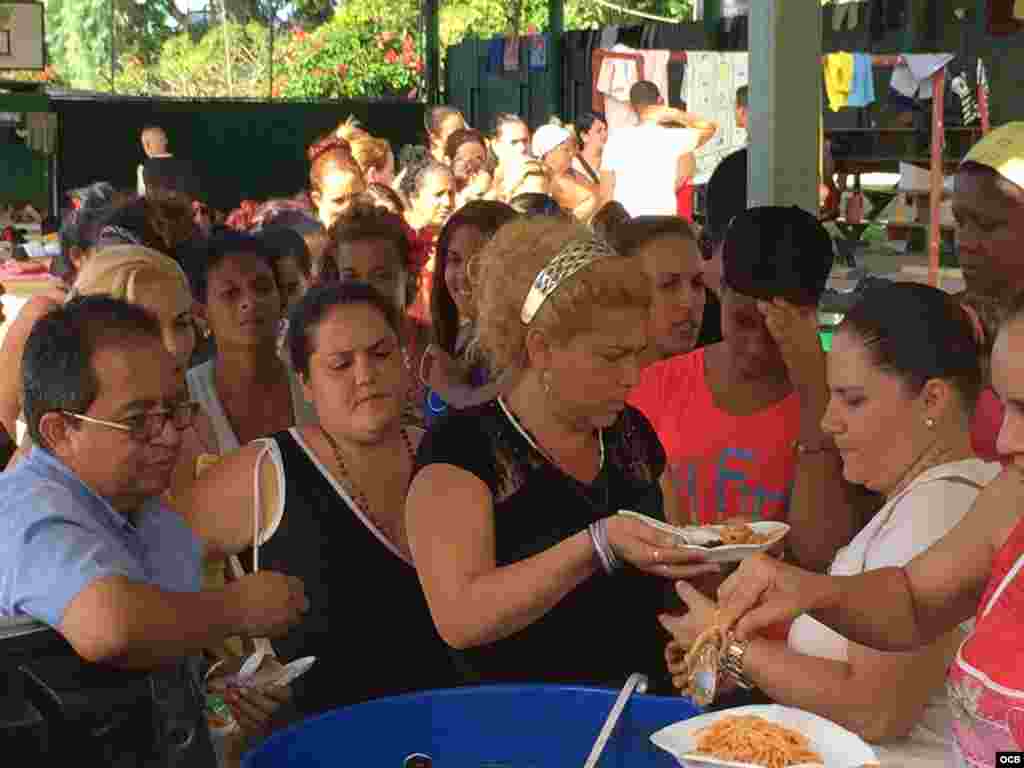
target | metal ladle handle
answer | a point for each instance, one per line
(637, 682)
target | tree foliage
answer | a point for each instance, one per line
(322, 48)
(227, 60)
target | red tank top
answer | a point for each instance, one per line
(986, 678)
(684, 201)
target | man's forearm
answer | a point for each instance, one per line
(138, 626)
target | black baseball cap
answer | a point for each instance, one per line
(777, 252)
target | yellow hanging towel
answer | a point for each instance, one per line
(1018, 10)
(838, 79)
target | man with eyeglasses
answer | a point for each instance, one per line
(88, 547)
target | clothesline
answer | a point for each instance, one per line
(641, 14)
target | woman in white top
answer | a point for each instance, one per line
(903, 375)
(246, 389)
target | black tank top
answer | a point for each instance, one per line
(368, 623)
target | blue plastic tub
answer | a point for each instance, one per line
(505, 726)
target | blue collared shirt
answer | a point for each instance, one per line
(57, 536)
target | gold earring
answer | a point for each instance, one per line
(929, 422)
(545, 382)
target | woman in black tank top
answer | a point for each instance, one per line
(529, 572)
(337, 522)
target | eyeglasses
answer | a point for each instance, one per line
(145, 427)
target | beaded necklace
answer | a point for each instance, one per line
(391, 531)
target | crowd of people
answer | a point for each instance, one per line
(388, 422)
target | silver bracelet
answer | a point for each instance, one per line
(609, 551)
(600, 547)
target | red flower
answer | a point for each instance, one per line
(407, 58)
(391, 57)
(342, 70)
(408, 44)
(386, 37)
(531, 29)
(418, 64)
(300, 34)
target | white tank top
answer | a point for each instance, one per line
(202, 388)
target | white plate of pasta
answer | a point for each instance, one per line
(727, 543)
(764, 736)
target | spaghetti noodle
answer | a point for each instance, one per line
(741, 534)
(752, 739)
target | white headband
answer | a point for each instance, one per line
(574, 256)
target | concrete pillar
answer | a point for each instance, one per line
(785, 102)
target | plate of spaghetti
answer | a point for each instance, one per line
(770, 736)
(726, 543)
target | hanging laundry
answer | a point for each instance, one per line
(983, 94)
(846, 12)
(912, 74)
(656, 70)
(614, 80)
(711, 82)
(838, 79)
(961, 86)
(511, 53)
(862, 90)
(732, 8)
(609, 36)
(495, 55)
(887, 15)
(677, 82)
(538, 53)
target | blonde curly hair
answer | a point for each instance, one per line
(503, 271)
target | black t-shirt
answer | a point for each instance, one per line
(607, 627)
(171, 174)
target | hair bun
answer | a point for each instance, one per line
(328, 144)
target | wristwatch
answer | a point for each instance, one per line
(731, 661)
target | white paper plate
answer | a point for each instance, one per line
(688, 538)
(838, 747)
